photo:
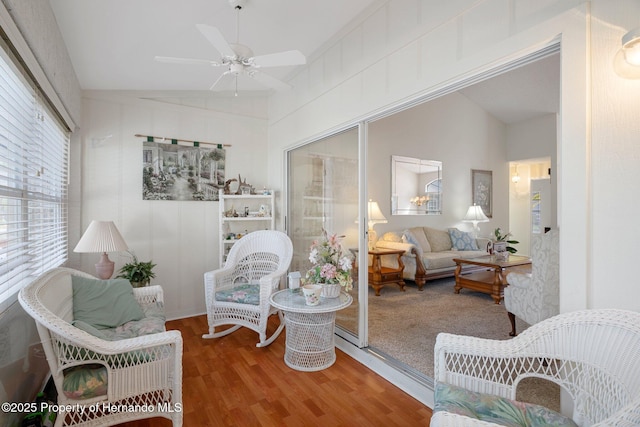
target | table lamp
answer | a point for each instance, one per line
(102, 236)
(374, 215)
(475, 215)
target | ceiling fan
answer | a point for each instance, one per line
(239, 59)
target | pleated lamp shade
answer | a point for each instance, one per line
(102, 237)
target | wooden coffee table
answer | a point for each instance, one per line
(493, 280)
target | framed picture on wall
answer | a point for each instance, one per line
(482, 190)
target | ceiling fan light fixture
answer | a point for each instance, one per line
(239, 59)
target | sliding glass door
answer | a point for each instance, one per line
(322, 194)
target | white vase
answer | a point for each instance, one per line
(331, 290)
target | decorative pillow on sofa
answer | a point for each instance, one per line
(438, 239)
(462, 240)
(104, 304)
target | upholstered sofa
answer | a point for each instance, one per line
(429, 252)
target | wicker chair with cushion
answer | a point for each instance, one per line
(591, 354)
(107, 348)
(238, 294)
(536, 296)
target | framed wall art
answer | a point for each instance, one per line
(482, 190)
(178, 172)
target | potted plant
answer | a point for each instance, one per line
(499, 237)
(138, 273)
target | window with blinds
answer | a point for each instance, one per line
(34, 150)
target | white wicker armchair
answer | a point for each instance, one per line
(536, 296)
(593, 354)
(145, 371)
(238, 294)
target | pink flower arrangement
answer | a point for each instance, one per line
(330, 263)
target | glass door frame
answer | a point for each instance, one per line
(361, 338)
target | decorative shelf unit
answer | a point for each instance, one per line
(254, 212)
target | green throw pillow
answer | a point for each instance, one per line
(89, 329)
(104, 303)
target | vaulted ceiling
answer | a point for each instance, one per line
(112, 45)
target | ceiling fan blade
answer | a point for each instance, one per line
(218, 80)
(289, 57)
(173, 60)
(216, 38)
(269, 81)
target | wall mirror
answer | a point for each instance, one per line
(416, 186)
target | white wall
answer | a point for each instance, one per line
(615, 156)
(433, 131)
(406, 49)
(181, 237)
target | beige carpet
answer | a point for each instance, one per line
(404, 325)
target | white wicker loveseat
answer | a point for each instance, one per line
(594, 355)
(141, 376)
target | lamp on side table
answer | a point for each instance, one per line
(374, 216)
(475, 215)
(102, 236)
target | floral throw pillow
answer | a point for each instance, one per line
(494, 409)
(242, 294)
(462, 240)
(85, 381)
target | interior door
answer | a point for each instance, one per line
(540, 206)
(322, 194)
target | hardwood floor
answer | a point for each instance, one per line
(230, 382)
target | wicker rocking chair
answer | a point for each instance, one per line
(238, 294)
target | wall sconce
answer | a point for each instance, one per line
(631, 47)
(627, 61)
(515, 178)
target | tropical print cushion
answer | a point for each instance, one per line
(85, 382)
(243, 294)
(494, 409)
(152, 323)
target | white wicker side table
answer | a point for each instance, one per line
(310, 342)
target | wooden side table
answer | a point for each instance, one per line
(379, 275)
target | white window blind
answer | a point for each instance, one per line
(33, 183)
